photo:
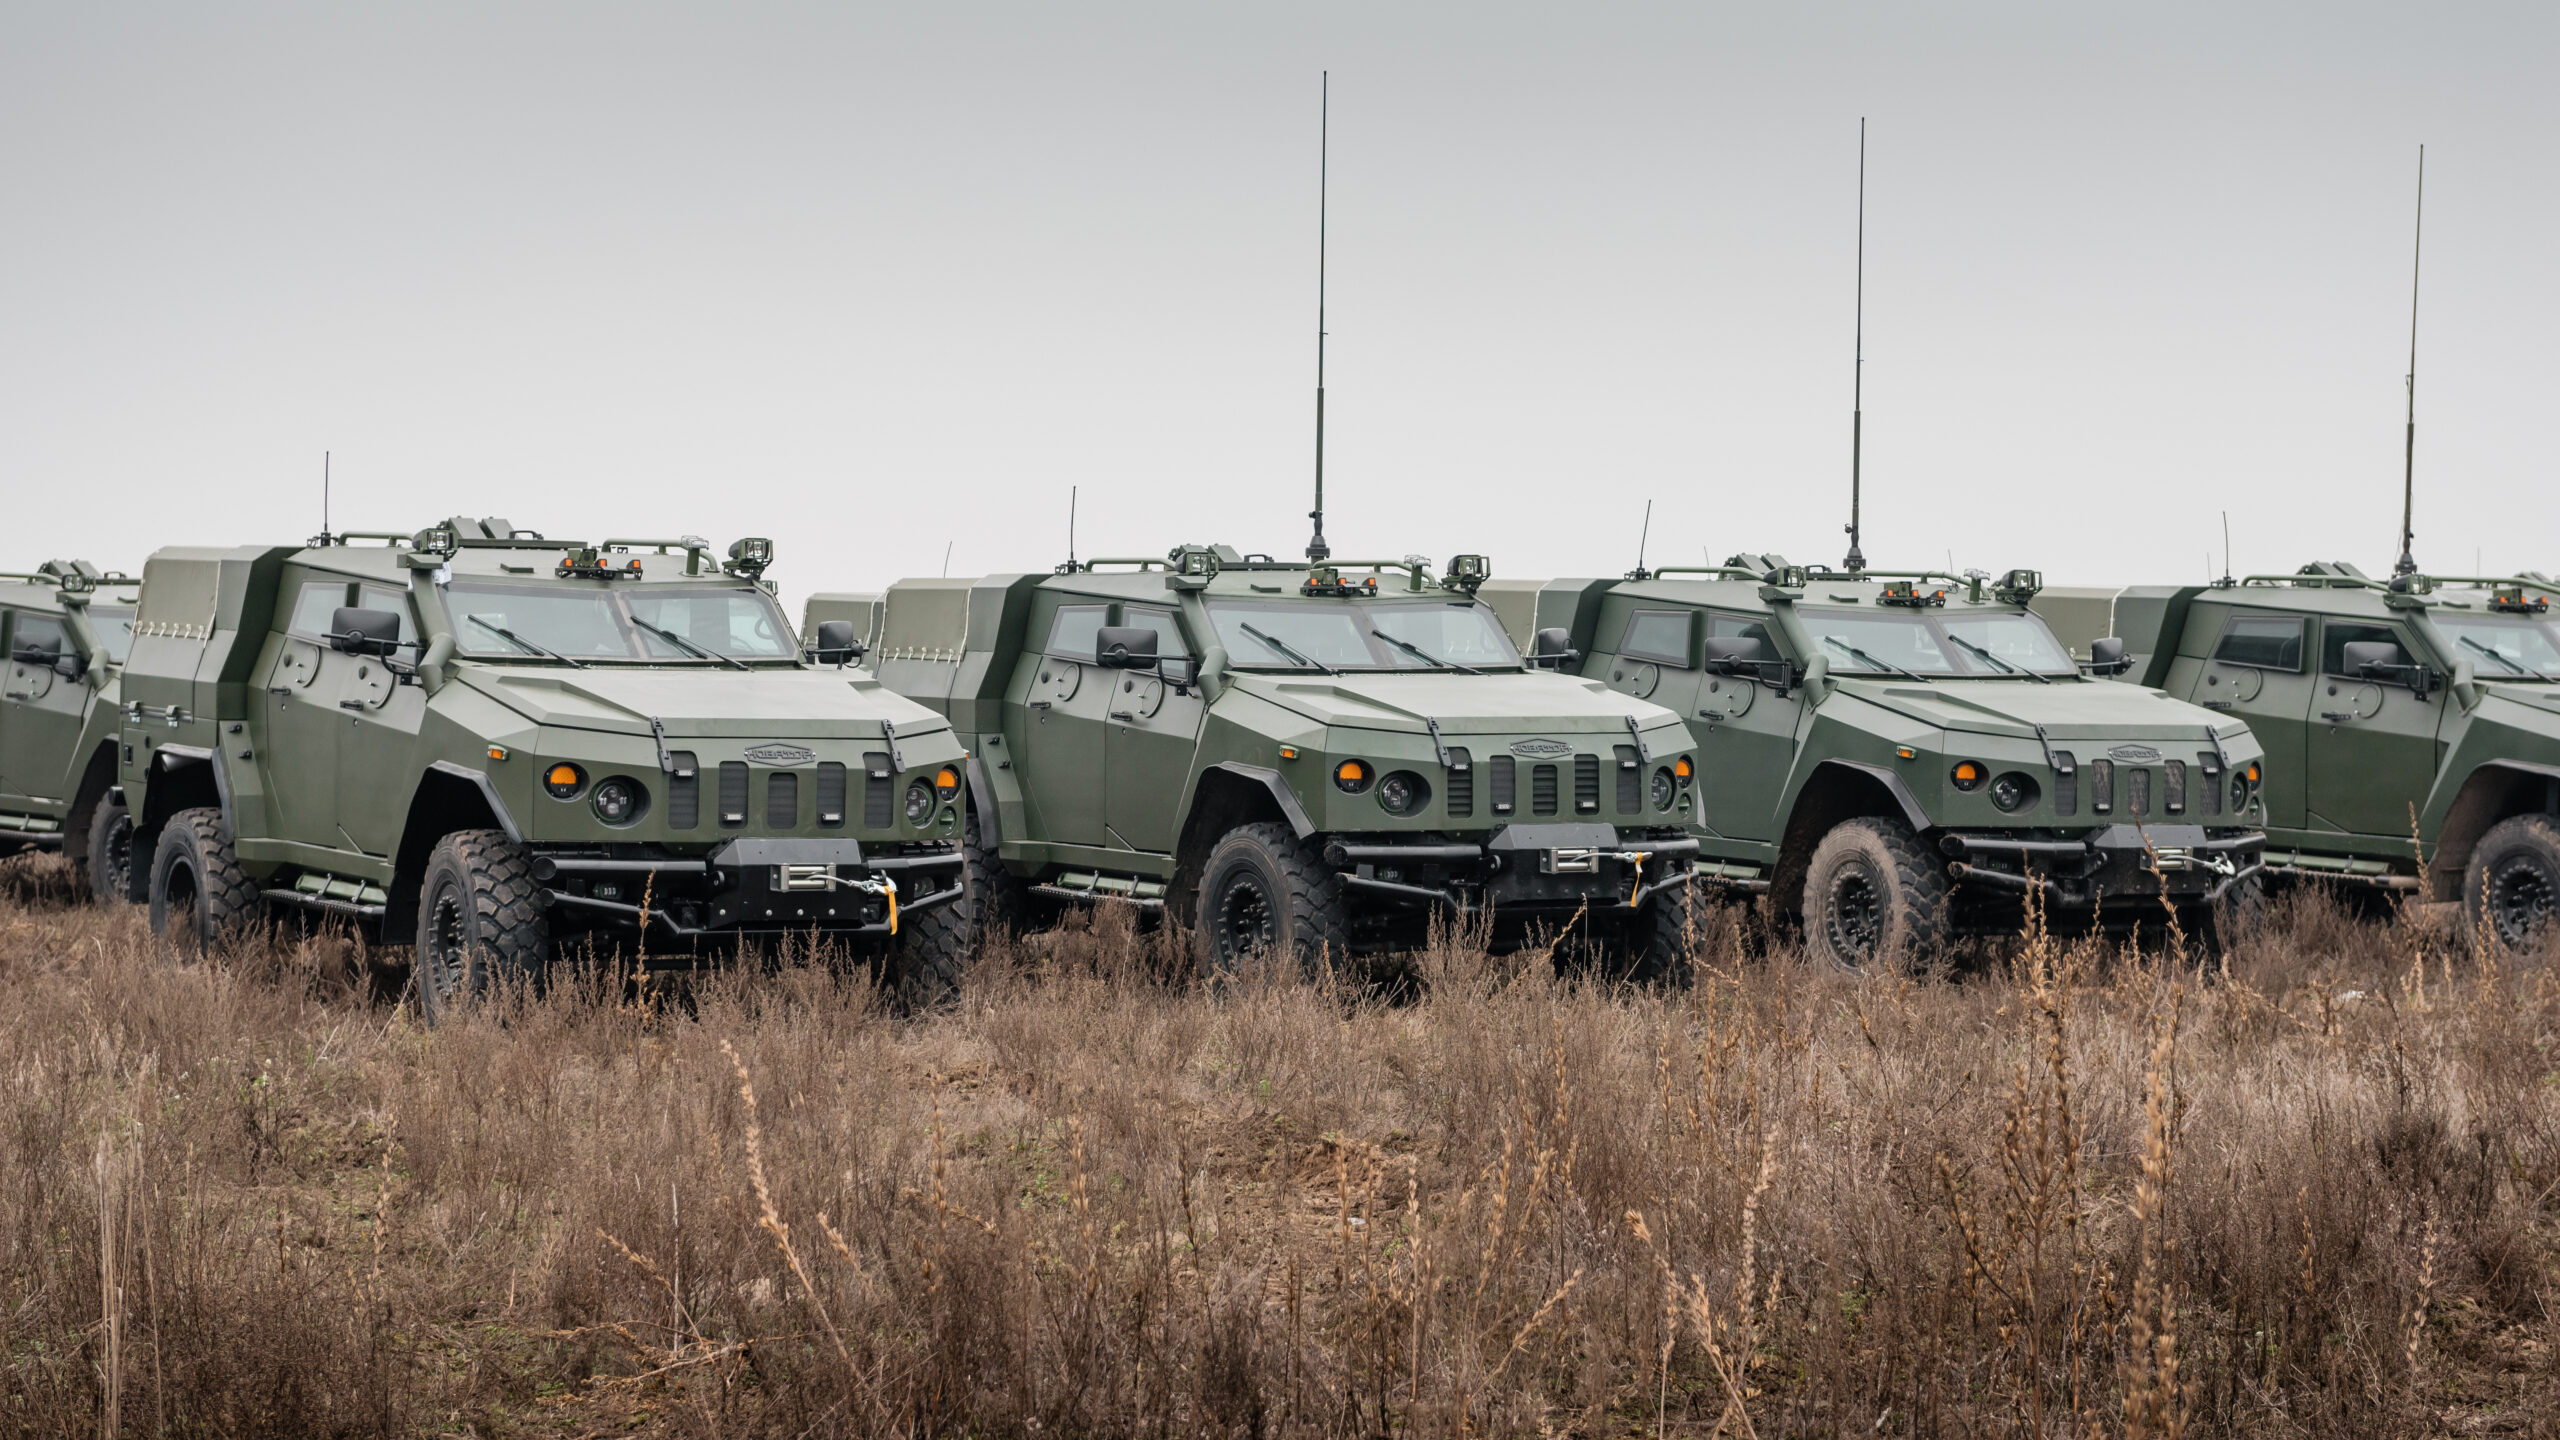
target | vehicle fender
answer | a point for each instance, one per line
(432, 809)
(1281, 794)
(982, 803)
(2493, 791)
(1893, 785)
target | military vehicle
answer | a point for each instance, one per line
(1309, 760)
(2412, 725)
(1899, 758)
(66, 627)
(498, 743)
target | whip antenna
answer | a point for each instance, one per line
(1071, 528)
(1641, 573)
(2408, 564)
(1317, 550)
(324, 497)
(1857, 560)
(2226, 551)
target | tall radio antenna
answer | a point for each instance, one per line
(1317, 549)
(324, 497)
(2408, 563)
(1857, 560)
(1071, 528)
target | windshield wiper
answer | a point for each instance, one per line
(2517, 666)
(1285, 651)
(1863, 658)
(689, 647)
(503, 633)
(2005, 667)
(1418, 653)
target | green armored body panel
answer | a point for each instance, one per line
(495, 743)
(1304, 760)
(65, 628)
(1898, 758)
(2408, 718)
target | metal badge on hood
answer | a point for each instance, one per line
(1540, 749)
(2134, 754)
(781, 755)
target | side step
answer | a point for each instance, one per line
(1084, 887)
(360, 899)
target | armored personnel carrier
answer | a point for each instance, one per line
(2412, 725)
(66, 627)
(1306, 760)
(1902, 758)
(495, 743)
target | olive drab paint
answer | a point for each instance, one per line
(63, 629)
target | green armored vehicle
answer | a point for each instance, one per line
(66, 627)
(499, 743)
(1306, 760)
(2417, 714)
(1899, 758)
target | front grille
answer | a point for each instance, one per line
(684, 791)
(878, 802)
(1630, 781)
(1586, 784)
(2066, 783)
(733, 792)
(2137, 792)
(2210, 766)
(2173, 787)
(1542, 789)
(782, 800)
(830, 793)
(1462, 783)
(1506, 784)
(2102, 786)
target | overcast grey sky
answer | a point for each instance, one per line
(871, 279)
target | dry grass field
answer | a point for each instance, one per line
(2308, 1189)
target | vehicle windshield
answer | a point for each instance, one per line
(114, 624)
(2514, 647)
(1930, 643)
(583, 620)
(1361, 635)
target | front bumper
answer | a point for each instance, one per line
(1560, 868)
(2112, 865)
(750, 886)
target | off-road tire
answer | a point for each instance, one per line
(2238, 917)
(1874, 896)
(2514, 878)
(1263, 891)
(199, 897)
(1657, 944)
(482, 921)
(106, 863)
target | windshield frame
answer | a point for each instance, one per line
(1934, 621)
(478, 643)
(1365, 616)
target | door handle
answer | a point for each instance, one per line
(2217, 704)
(351, 705)
(2336, 716)
(1039, 704)
(1124, 715)
(1716, 715)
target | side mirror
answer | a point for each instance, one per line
(46, 653)
(1553, 648)
(2364, 655)
(1727, 653)
(1179, 671)
(2107, 657)
(837, 644)
(363, 632)
(1125, 647)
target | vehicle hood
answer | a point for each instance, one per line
(793, 704)
(2068, 710)
(1500, 704)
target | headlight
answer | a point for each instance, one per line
(564, 781)
(1665, 789)
(919, 802)
(2013, 791)
(2244, 781)
(1969, 775)
(1353, 776)
(946, 783)
(618, 801)
(1403, 793)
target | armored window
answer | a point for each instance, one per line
(40, 630)
(1661, 636)
(2335, 638)
(2265, 642)
(1077, 632)
(1740, 627)
(317, 603)
(1168, 634)
(396, 602)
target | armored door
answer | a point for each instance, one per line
(40, 714)
(1154, 733)
(298, 723)
(2373, 739)
(1066, 701)
(1746, 733)
(378, 764)
(2256, 670)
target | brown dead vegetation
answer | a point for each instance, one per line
(2307, 1191)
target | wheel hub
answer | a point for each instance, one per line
(2521, 898)
(1243, 922)
(442, 966)
(1853, 921)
